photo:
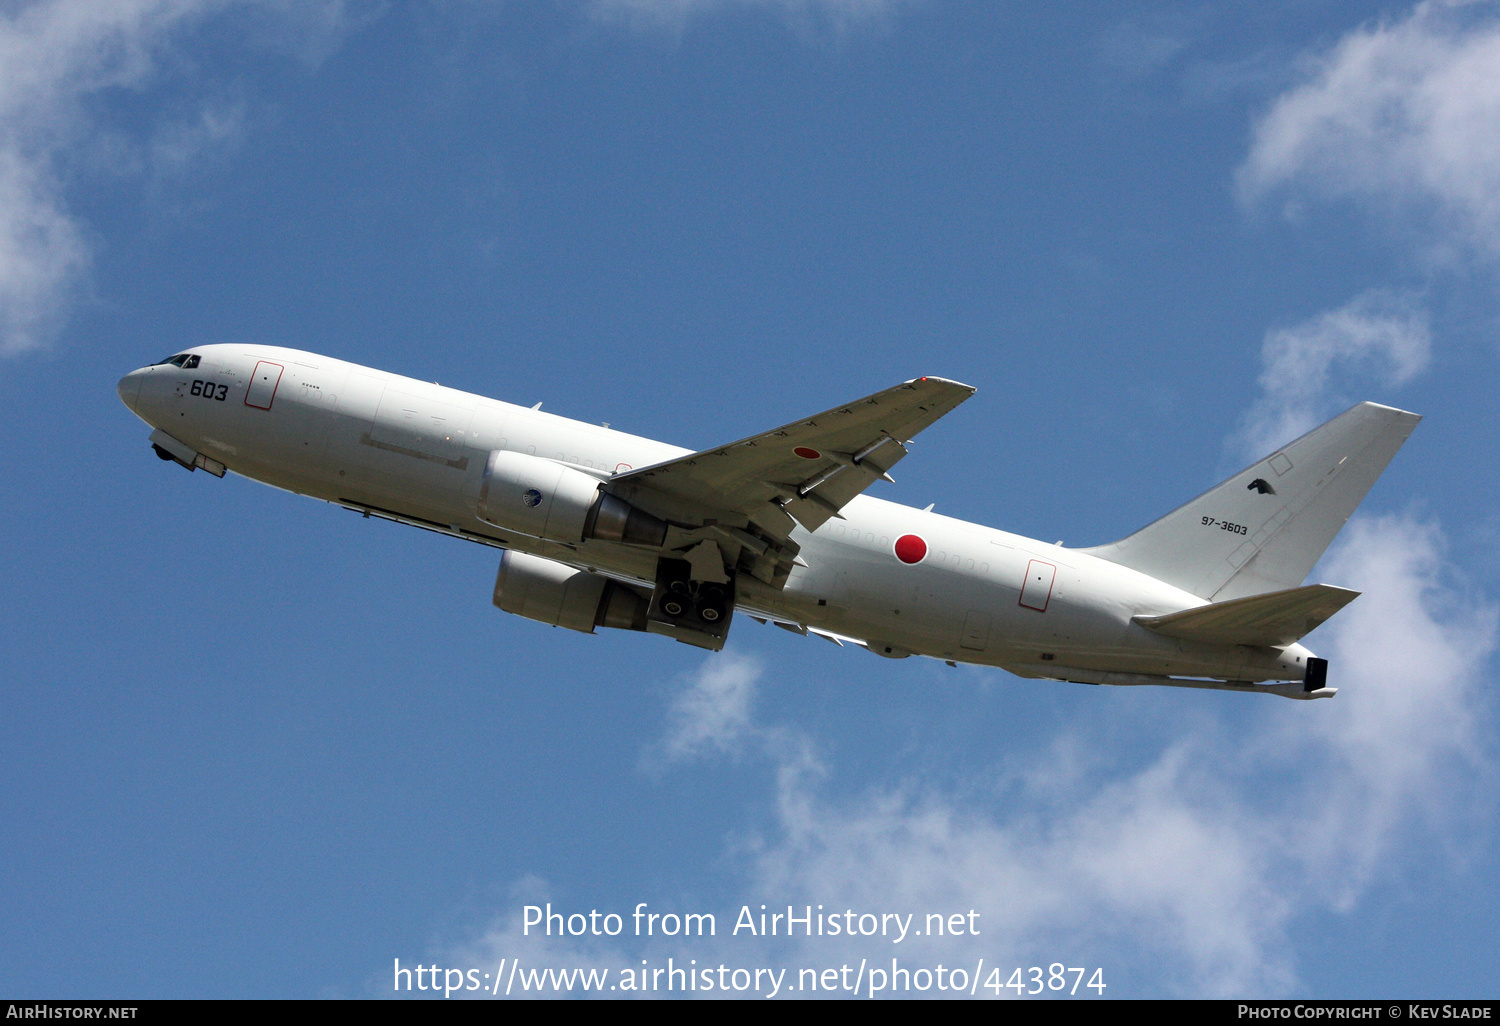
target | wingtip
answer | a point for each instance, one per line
(933, 379)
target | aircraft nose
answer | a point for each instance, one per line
(130, 388)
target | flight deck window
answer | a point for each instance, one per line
(187, 361)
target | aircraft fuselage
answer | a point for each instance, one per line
(416, 452)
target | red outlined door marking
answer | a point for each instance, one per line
(263, 382)
(1036, 592)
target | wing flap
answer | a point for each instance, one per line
(1276, 618)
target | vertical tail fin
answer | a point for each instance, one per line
(1264, 528)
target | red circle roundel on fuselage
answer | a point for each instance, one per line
(807, 454)
(910, 548)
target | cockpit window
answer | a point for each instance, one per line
(187, 361)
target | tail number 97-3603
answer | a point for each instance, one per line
(1225, 525)
(210, 390)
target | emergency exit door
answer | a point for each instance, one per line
(263, 385)
(1036, 592)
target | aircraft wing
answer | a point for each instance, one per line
(803, 472)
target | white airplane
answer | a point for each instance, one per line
(599, 528)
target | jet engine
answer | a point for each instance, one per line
(546, 590)
(544, 499)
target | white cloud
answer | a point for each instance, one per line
(1417, 643)
(713, 713)
(807, 17)
(42, 253)
(55, 55)
(508, 938)
(1383, 331)
(1403, 115)
(1144, 44)
(176, 145)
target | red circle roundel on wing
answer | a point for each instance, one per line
(807, 454)
(910, 548)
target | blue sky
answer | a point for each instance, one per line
(256, 746)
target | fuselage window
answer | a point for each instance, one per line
(191, 362)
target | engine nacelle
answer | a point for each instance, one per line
(543, 499)
(546, 590)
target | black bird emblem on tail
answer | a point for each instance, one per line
(1260, 485)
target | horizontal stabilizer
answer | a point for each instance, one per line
(1277, 618)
